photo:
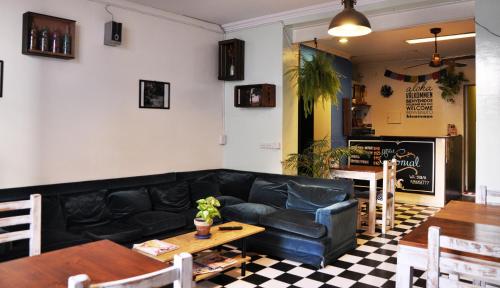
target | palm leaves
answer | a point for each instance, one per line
(316, 159)
(316, 80)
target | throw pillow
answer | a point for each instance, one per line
(171, 197)
(85, 208)
(235, 184)
(127, 202)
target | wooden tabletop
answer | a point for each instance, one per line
(464, 230)
(102, 261)
(190, 244)
(470, 212)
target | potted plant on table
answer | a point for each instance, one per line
(207, 211)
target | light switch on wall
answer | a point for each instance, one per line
(271, 146)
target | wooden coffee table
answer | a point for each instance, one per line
(190, 244)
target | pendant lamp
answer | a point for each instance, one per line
(349, 23)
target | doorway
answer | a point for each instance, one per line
(470, 137)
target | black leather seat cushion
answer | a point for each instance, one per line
(246, 212)
(115, 231)
(294, 221)
(155, 222)
(55, 239)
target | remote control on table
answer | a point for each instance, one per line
(230, 228)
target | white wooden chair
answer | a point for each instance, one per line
(478, 270)
(181, 275)
(384, 197)
(487, 196)
(34, 204)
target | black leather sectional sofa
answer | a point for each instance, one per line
(308, 220)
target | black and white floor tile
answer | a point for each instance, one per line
(371, 264)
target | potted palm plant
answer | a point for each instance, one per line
(317, 159)
(207, 211)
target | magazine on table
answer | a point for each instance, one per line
(155, 247)
(214, 261)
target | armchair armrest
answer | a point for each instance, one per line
(340, 220)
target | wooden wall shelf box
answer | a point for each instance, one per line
(255, 96)
(55, 26)
(232, 60)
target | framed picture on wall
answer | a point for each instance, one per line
(154, 94)
(1, 78)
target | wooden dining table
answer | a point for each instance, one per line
(102, 261)
(367, 173)
(465, 220)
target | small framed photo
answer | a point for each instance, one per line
(154, 94)
(1, 78)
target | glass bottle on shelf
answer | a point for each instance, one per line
(66, 43)
(33, 39)
(44, 40)
(56, 43)
(230, 55)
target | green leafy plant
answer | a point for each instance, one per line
(207, 209)
(317, 159)
(450, 84)
(316, 80)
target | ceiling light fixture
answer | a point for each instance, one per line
(349, 22)
(343, 40)
(441, 38)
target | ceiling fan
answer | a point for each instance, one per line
(438, 61)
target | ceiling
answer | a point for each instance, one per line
(226, 11)
(390, 45)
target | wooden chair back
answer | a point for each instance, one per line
(181, 275)
(475, 269)
(389, 181)
(487, 196)
(34, 204)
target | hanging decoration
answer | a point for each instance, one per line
(414, 79)
(386, 91)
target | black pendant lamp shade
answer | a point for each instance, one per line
(349, 23)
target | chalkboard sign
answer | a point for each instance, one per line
(415, 172)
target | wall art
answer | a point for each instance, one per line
(154, 94)
(419, 101)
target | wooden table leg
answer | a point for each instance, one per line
(372, 207)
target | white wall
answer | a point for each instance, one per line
(79, 119)
(247, 128)
(444, 113)
(488, 94)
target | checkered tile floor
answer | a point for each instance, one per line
(371, 264)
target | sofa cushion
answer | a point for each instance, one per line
(115, 231)
(309, 198)
(85, 208)
(294, 221)
(56, 239)
(154, 222)
(171, 197)
(269, 193)
(52, 214)
(131, 201)
(228, 200)
(200, 189)
(235, 184)
(246, 212)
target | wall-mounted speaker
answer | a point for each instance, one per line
(113, 34)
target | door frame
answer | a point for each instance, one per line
(466, 143)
